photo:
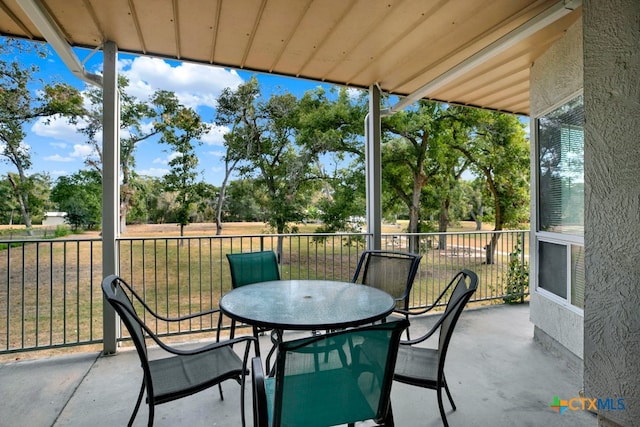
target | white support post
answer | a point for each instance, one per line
(373, 161)
(110, 186)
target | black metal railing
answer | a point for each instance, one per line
(50, 292)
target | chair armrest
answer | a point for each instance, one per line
(260, 411)
(424, 337)
(141, 301)
(446, 313)
(435, 303)
(227, 343)
(185, 317)
(415, 312)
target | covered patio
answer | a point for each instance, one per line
(484, 54)
(499, 376)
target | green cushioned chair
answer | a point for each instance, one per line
(252, 267)
(177, 373)
(248, 268)
(334, 391)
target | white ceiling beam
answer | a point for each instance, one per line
(53, 35)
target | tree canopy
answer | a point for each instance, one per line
(19, 105)
(287, 159)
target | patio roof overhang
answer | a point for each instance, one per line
(465, 52)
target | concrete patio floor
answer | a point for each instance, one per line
(497, 374)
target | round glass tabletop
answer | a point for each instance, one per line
(306, 304)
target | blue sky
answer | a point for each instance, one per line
(59, 149)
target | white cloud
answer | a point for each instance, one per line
(157, 172)
(58, 144)
(60, 129)
(58, 158)
(216, 153)
(59, 173)
(146, 127)
(173, 155)
(215, 135)
(82, 150)
(194, 85)
(166, 160)
(354, 93)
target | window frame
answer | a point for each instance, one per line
(566, 302)
(563, 239)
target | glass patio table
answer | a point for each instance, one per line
(306, 305)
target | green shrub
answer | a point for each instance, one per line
(517, 284)
(61, 231)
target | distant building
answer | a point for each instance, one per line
(54, 219)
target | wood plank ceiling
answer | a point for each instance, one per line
(401, 45)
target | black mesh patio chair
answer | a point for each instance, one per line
(184, 372)
(390, 271)
(248, 268)
(424, 367)
(303, 393)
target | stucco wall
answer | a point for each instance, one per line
(612, 204)
(555, 77)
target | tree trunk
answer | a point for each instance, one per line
(279, 245)
(125, 203)
(223, 190)
(23, 201)
(490, 248)
(477, 219)
(414, 216)
(443, 223)
(413, 239)
(219, 204)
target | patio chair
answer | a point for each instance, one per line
(248, 268)
(390, 271)
(424, 367)
(184, 372)
(305, 394)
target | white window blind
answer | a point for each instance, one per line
(561, 169)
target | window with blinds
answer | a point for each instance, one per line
(561, 169)
(560, 202)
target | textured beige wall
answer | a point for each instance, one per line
(612, 204)
(557, 74)
(555, 77)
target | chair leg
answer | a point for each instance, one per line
(441, 407)
(242, 400)
(406, 316)
(256, 336)
(446, 388)
(135, 410)
(388, 419)
(151, 414)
